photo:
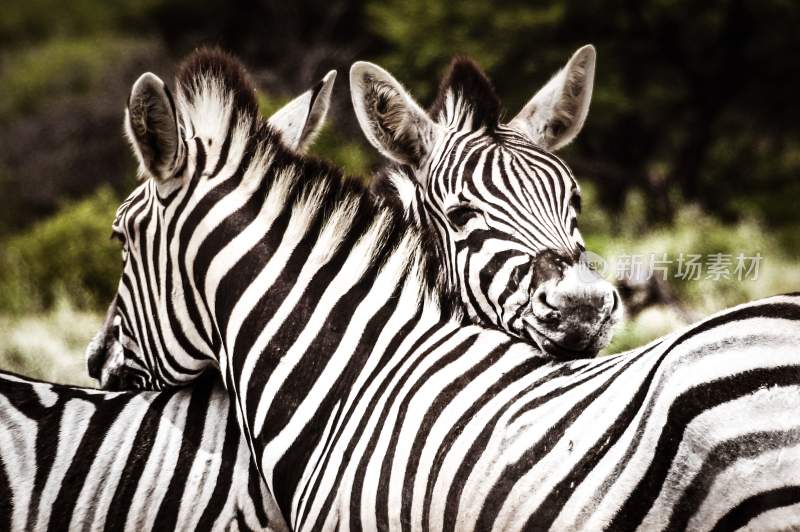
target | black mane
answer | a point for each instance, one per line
(206, 63)
(466, 79)
(227, 70)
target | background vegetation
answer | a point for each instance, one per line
(692, 143)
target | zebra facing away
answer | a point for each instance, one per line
(367, 401)
(76, 458)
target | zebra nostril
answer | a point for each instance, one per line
(542, 296)
(615, 302)
(543, 309)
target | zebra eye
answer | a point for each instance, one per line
(575, 201)
(119, 237)
(460, 215)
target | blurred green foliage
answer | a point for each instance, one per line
(67, 256)
(620, 236)
(425, 35)
(349, 154)
(27, 21)
(62, 66)
(695, 232)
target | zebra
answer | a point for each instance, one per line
(501, 209)
(79, 458)
(297, 124)
(368, 398)
(73, 457)
(525, 279)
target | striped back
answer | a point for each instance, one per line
(76, 458)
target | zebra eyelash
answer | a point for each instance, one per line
(460, 215)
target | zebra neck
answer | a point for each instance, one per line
(300, 276)
(389, 384)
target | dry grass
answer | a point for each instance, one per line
(48, 346)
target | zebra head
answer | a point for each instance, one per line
(500, 207)
(146, 325)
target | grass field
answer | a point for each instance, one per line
(48, 346)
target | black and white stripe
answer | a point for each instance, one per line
(81, 459)
(501, 209)
(77, 458)
(369, 404)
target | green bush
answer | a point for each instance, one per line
(694, 232)
(68, 255)
(350, 154)
(58, 67)
(628, 234)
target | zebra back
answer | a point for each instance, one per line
(77, 458)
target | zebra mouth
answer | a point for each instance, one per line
(556, 349)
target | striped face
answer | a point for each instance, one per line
(159, 331)
(501, 208)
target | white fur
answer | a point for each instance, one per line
(564, 100)
(300, 120)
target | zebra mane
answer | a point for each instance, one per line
(214, 93)
(217, 100)
(466, 97)
(212, 64)
(397, 229)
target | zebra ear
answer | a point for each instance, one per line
(555, 115)
(301, 120)
(151, 125)
(391, 120)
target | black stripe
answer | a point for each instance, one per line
(439, 403)
(475, 450)
(172, 315)
(779, 310)
(393, 345)
(93, 437)
(46, 452)
(229, 290)
(226, 145)
(290, 468)
(192, 436)
(717, 461)
(748, 509)
(137, 459)
(223, 484)
(513, 472)
(551, 506)
(682, 411)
